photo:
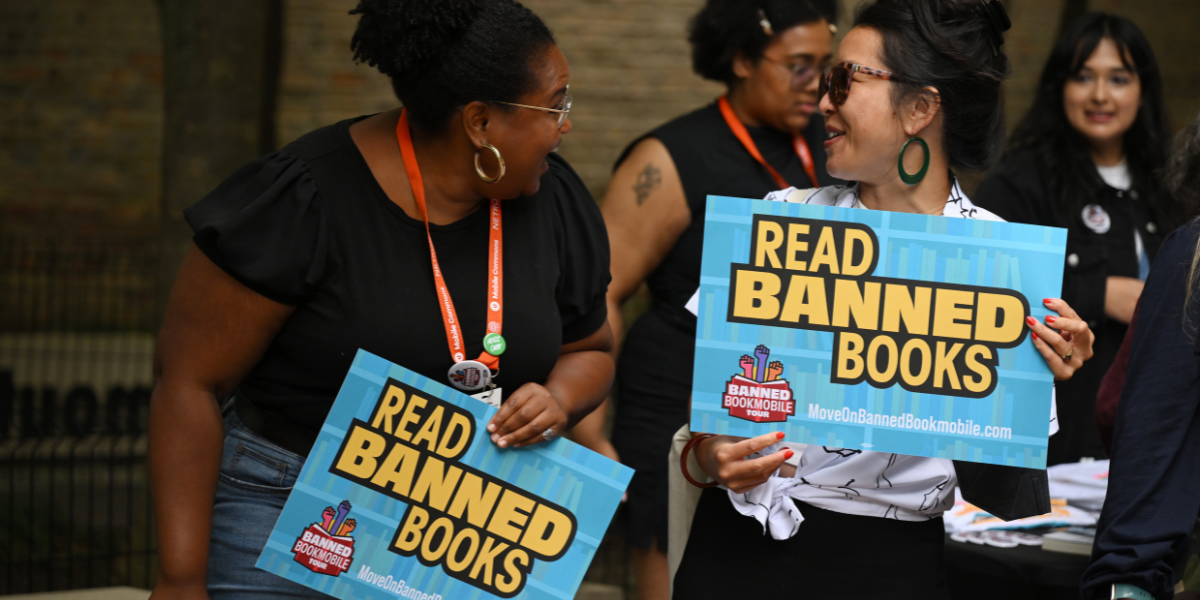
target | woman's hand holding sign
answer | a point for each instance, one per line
(724, 459)
(527, 418)
(1067, 344)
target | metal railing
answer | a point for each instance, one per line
(75, 357)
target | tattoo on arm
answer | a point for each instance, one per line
(647, 181)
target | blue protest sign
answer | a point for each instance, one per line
(862, 329)
(404, 495)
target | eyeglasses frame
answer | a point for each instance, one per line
(817, 72)
(827, 79)
(562, 112)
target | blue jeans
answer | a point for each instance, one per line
(256, 478)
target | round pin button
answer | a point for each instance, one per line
(1073, 260)
(469, 375)
(494, 344)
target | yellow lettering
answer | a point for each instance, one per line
(913, 309)
(862, 237)
(411, 532)
(453, 559)
(754, 295)
(429, 430)
(826, 253)
(548, 531)
(398, 469)
(434, 554)
(437, 482)
(487, 556)
(1003, 309)
(358, 458)
(513, 509)
(849, 300)
(473, 498)
(515, 573)
(873, 358)
(985, 374)
(410, 416)
(393, 401)
(915, 345)
(770, 238)
(461, 426)
(850, 362)
(953, 306)
(795, 246)
(943, 364)
(814, 308)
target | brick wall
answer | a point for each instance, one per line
(630, 71)
(80, 87)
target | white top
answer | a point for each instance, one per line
(1117, 176)
(856, 482)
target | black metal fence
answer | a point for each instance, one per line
(75, 352)
(76, 504)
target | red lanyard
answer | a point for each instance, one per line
(495, 258)
(743, 136)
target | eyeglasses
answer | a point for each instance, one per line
(836, 80)
(562, 112)
(802, 72)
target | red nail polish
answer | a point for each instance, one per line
(779, 435)
(1034, 335)
(788, 455)
(1047, 300)
(1051, 319)
(1031, 321)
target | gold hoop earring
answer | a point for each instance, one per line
(479, 167)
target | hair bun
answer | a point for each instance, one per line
(401, 37)
(997, 20)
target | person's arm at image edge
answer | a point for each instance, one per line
(1154, 479)
(214, 331)
(645, 211)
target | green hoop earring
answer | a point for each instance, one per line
(904, 176)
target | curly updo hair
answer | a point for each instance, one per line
(723, 28)
(953, 46)
(443, 54)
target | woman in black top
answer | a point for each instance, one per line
(1084, 158)
(768, 54)
(306, 255)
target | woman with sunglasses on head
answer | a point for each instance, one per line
(913, 95)
(446, 237)
(761, 135)
(1085, 158)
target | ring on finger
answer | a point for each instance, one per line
(549, 434)
(1067, 357)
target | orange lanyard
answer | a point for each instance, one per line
(743, 136)
(495, 258)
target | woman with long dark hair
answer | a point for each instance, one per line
(1085, 158)
(856, 524)
(761, 135)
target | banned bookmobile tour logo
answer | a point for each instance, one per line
(758, 393)
(327, 547)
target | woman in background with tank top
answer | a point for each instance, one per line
(762, 135)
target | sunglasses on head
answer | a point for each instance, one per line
(836, 80)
